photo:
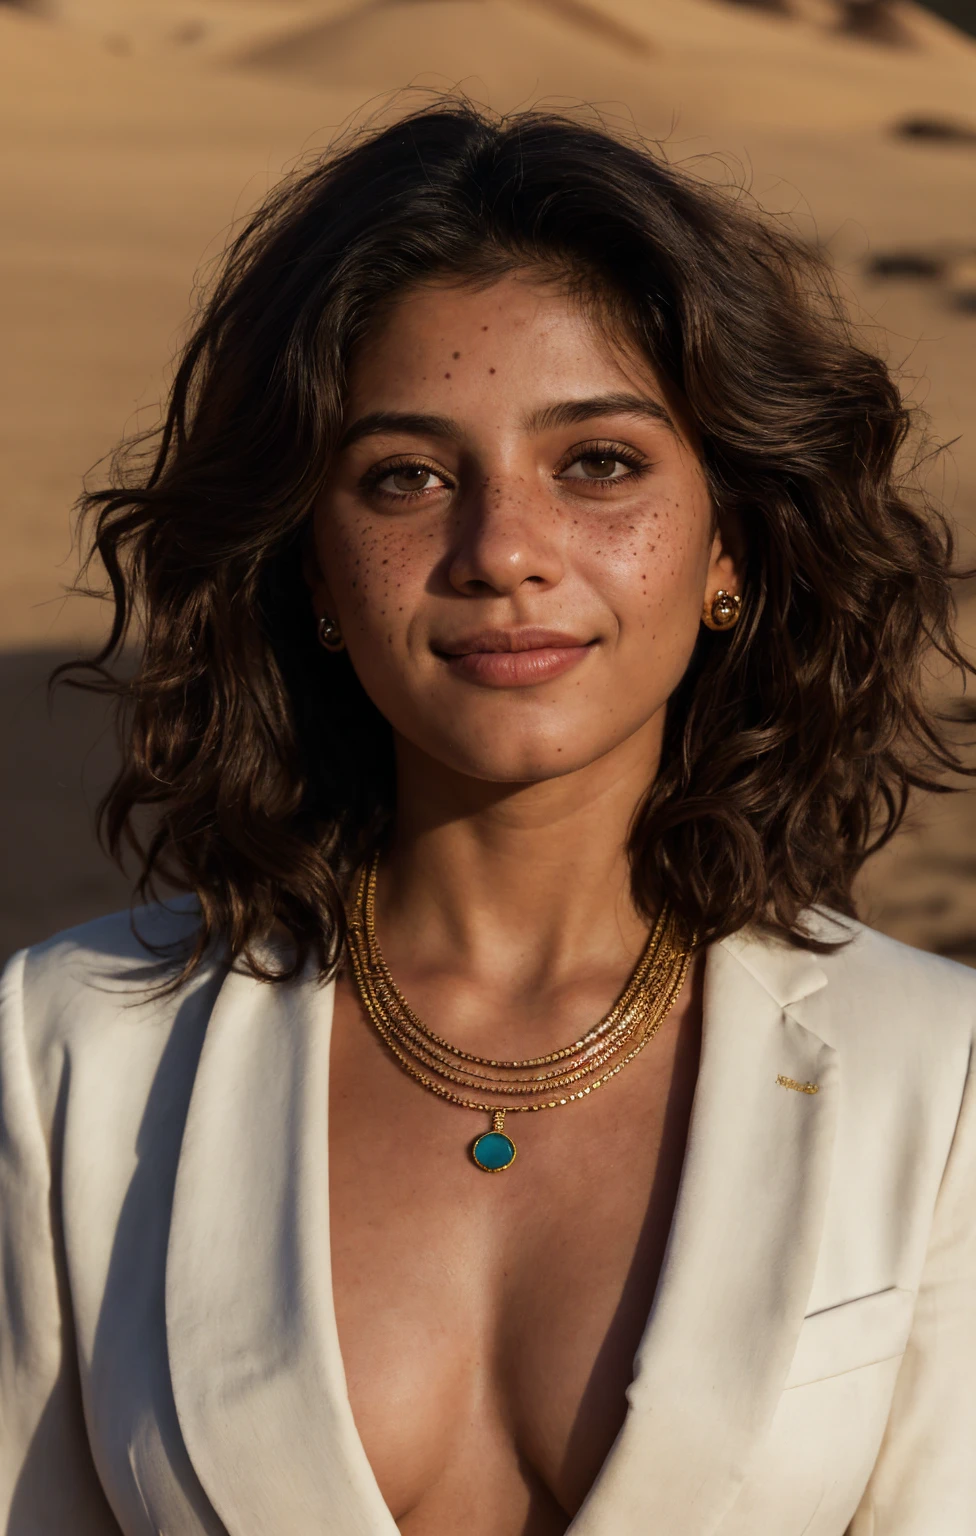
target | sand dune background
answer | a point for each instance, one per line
(134, 132)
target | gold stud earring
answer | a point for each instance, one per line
(723, 611)
(330, 635)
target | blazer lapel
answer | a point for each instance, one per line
(254, 1354)
(741, 1254)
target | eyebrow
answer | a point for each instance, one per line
(412, 423)
(568, 413)
(565, 413)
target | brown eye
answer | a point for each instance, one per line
(413, 477)
(408, 480)
(599, 466)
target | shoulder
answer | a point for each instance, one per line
(858, 965)
(889, 1010)
(895, 976)
(916, 1007)
(98, 993)
(127, 937)
(116, 957)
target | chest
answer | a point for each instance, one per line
(488, 1323)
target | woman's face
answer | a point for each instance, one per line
(515, 538)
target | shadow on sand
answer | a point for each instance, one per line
(56, 759)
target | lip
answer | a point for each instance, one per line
(513, 658)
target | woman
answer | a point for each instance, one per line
(532, 637)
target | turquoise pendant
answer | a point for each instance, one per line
(494, 1151)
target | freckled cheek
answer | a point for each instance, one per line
(378, 576)
(649, 564)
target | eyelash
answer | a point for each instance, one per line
(601, 449)
(373, 477)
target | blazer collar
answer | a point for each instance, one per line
(257, 1374)
(789, 974)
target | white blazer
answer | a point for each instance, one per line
(169, 1362)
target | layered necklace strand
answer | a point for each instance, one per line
(495, 1087)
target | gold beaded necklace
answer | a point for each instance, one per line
(537, 1082)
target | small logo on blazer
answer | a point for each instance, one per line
(791, 1082)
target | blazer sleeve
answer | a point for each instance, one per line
(924, 1481)
(48, 1482)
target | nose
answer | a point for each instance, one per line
(507, 537)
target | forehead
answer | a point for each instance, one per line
(516, 336)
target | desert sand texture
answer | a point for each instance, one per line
(134, 133)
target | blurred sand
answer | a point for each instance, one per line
(133, 132)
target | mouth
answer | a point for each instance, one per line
(513, 658)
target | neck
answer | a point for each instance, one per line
(530, 877)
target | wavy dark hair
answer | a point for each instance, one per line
(791, 745)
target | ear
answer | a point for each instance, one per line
(314, 575)
(726, 562)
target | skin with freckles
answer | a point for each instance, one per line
(516, 540)
(503, 505)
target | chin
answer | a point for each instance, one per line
(518, 762)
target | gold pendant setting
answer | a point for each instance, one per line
(494, 1151)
